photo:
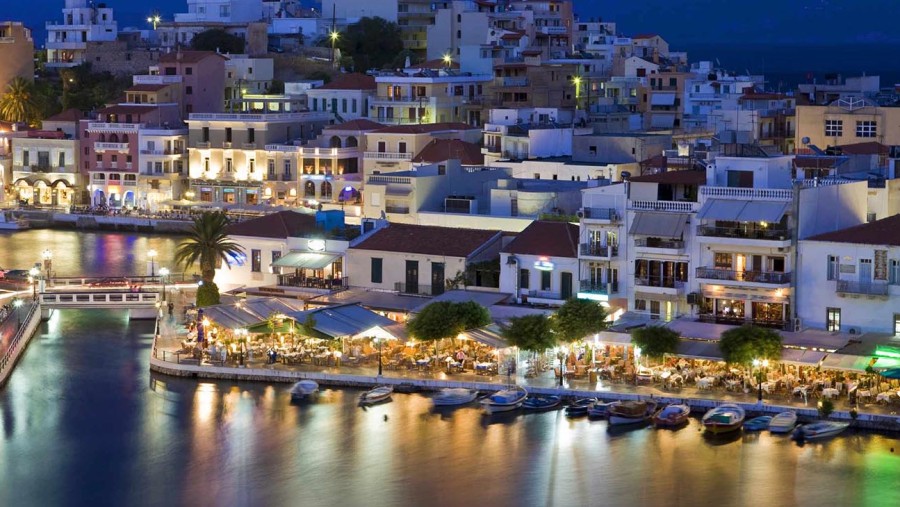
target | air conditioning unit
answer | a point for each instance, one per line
(579, 213)
(798, 325)
(854, 330)
(693, 298)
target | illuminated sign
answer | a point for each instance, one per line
(316, 245)
(543, 264)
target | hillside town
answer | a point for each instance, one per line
(508, 153)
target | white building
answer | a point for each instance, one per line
(221, 11)
(346, 97)
(83, 22)
(247, 76)
(603, 246)
(540, 266)
(162, 162)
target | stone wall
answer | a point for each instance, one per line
(118, 59)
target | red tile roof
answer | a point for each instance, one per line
(644, 36)
(188, 56)
(427, 240)
(546, 238)
(879, 232)
(358, 124)
(354, 81)
(439, 150)
(425, 128)
(686, 177)
(283, 224)
(70, 115)
(868, 148)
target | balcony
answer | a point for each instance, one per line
(595, 287)
(114, 127)
(658, 246)
(249, 146)
(204, 145)
(740, 321)
(761, 277)
(747, 232)
(768, 194)
(331, 284)
(599, 251)
(102, 147)
(514, 81)
(673, 206)
(856, 288)
(177, 151)
(660, 285)
(402, 210)
(387, 156)
(418, 290)
(607, 214)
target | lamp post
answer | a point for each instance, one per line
(18, 304)
(154, 20)
(241, 335)
(334, 36)
(152, 256)
(448, 60)
(48, 261)
(163, 274)
(33, 275)
(379, 341)
(577, 82)
(760, 366)
(561, 356)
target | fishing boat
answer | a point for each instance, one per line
(303, 390)
(505, 400)
(672, 415)
(631, 412)
(783, 422)
(580, 407)
(9, 222)
(451, 397)
(723, 419)
(819, 430)
(758, 423)
(376, 395)
(600, 409)
(541, 402)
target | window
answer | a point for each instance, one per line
(833, 319)
(343, 105)
(401, 147)
(256, 261)
(188, 70)
(524, 278)
(251, 135)
(252, 164)
(640, 305)
(546, 280)
(276, 254)
(833, 267)
(654, 309)
(376, 270)
(382, 146)
(866, 128)
(206, 164)
(894, 272)
(229, 165)
(205, 134)
(227, 134)
(62, 159)
(188, 90)
(353, 104)
(834, 128)
(315, 105)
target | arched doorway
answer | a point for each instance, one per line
(24, 191)
(62, 193)
(326, 190)
(349, 194)
(128, 199)
(335, 142)
(352, 142)
(113, 138)
(42, 193)
(309, 189)
(99, 198)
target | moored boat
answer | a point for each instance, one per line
(304, 389)
(580, 407)
(452, 397)
(505, 400)
(541, 402)
(672, 415)
(376, 395)
(723, 419)
(757, 423)
(631, 412)
(9, 222)
(819, 431)
(783, 422)
(600, 409)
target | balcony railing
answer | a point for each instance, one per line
(383, 155)
(677, 206)
(403, 210)
(866, 288)
(203, 145)
(596, 287)
(776, 194)
(657, 281)
(744, 276)
(293, 280)
(110, 146)
(600, 213)
(771, 234)
(514, 81)
(740, 321)
(418, 290)
(163, 152)
(672, 244)
(597, 250)
(114, 126)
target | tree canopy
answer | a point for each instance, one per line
(85, 90)
(216, 39)
(578, 318)
(207, 244)
(530, 332)
(18, 103)
(446, 319)
(655, 341)
(743, 344)
(372, 43)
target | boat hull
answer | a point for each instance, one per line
(783, 424)
(814, 433)
(454, 399)
(718, 429)
(496, 409)
(547, 403)
(619, 419)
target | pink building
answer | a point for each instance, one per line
(203, 79)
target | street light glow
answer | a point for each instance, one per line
(47, 254)
(163, 271)
(334, 35)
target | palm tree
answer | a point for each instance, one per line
(18, 104)
(208, 245)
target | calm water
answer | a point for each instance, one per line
(83, 422)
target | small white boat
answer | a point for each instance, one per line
(304, 389)
(819, 431)
(631, 412)
(9, 222)
(376, 395)
(600, 409)
(451, 397)
(505, 400)
(672, 416)
(723, 419)
(783, 422)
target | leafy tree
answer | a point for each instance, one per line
(530, 332)
(216, 39)
(372, 43)
(208, 245)
(276, 87)
(208, 294)
(446, 319)
(86, 90)
(578, 318)
(743, 344)
(826, 407)
(18, 103)
(655, 341)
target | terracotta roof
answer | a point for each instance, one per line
(283, 224)
(358, 124)
(188, 56)
(868, 148)
(425, 128)
(879, 232)
(762, 96)
(147, 88)
(644, 36)
(427, 240)
(354, 81)
(546, 238)
(70, 115)
(512, 36)
(686, 177)
(439, 150)
(436, 64)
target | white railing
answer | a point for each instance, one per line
(305, 116)
(380, 178)
(676, 206)
(114, 126)
(780, 194)
(824, 182)
(99, 299)
(379, 155)
(314, 151)
(148, 79)
(111, 146)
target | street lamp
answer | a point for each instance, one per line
(561, 355)
(154, 20)
(18, 304)
(48, 261)
(448, 60)
(163, 273)
(241, 335)
(152, 255)
(760, 365)
(378, 340)
(334, 36)
(33, 274)
(577, 82)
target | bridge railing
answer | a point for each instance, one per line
(20, 337)
(120, 280)
(82, 299)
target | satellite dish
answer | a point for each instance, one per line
(805, 140)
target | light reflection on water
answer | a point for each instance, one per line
(83, 422)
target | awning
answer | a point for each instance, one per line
(802, 357)
(660, 225)
(662, 99)
(720, 209)
(306, 260)
(743, 211)
(696, 349)
(614, 338)
(846, 362)
(345, 321)
(694, 330)
(489, 336)
(662, 121)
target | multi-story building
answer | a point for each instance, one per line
(835, 87)
(83, 22)
(712, 90)
(242, 18)
(45, 169)
(16, 53)
(246, 76)
(540, 265)
(392, 148)
(528, 81)
(603, 246)
(428, 96)
(664, 100)
(162, 165)
(346, 97)
(848, 120)
(202, 78)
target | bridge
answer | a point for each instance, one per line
(100, 298)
